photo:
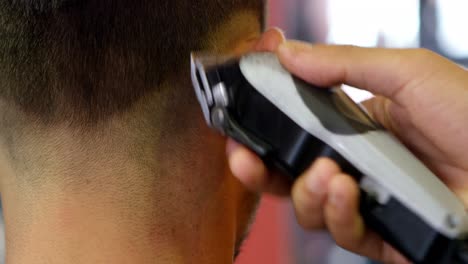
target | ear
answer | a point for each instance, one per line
(5, 169)
(270, 40)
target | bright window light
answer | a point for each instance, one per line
(400, 23)
(356, 94)
(353, 22)
(453, 20)
(369, 23)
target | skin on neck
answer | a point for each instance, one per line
(130, 191)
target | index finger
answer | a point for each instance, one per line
(252, 172)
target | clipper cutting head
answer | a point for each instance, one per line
(211, 91)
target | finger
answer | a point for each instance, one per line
(377, 107)
(342, 217)
(251, 171)
(231, 146)
(347, 226)
(310, 191)
(246, 166)
(386, 72)
(270, 40)
(395, 119)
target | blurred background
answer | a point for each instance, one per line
(438, 25)
(435, 24)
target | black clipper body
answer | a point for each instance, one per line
(289, 124)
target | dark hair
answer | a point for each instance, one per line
(90, 59)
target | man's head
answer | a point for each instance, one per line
(101, 136)
(90, 59)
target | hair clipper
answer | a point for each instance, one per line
(290, 123)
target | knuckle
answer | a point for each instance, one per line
(310, 223)
(348, 47)
(307, 203)
(309, 216)
(423, 55)
(347, 243)
(345, 237)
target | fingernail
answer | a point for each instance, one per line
(318, 178)
(335, 199)
(236, 162)
(315, 184)
(245, 164)
(279, 30)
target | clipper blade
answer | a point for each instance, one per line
(201, 62)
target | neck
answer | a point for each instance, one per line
(113, 227)
(115, 220)
(112, 209)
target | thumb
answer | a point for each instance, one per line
(391, 73)
(378, 108)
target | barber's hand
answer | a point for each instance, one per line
(422, 99)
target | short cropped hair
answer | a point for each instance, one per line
(91, 59)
